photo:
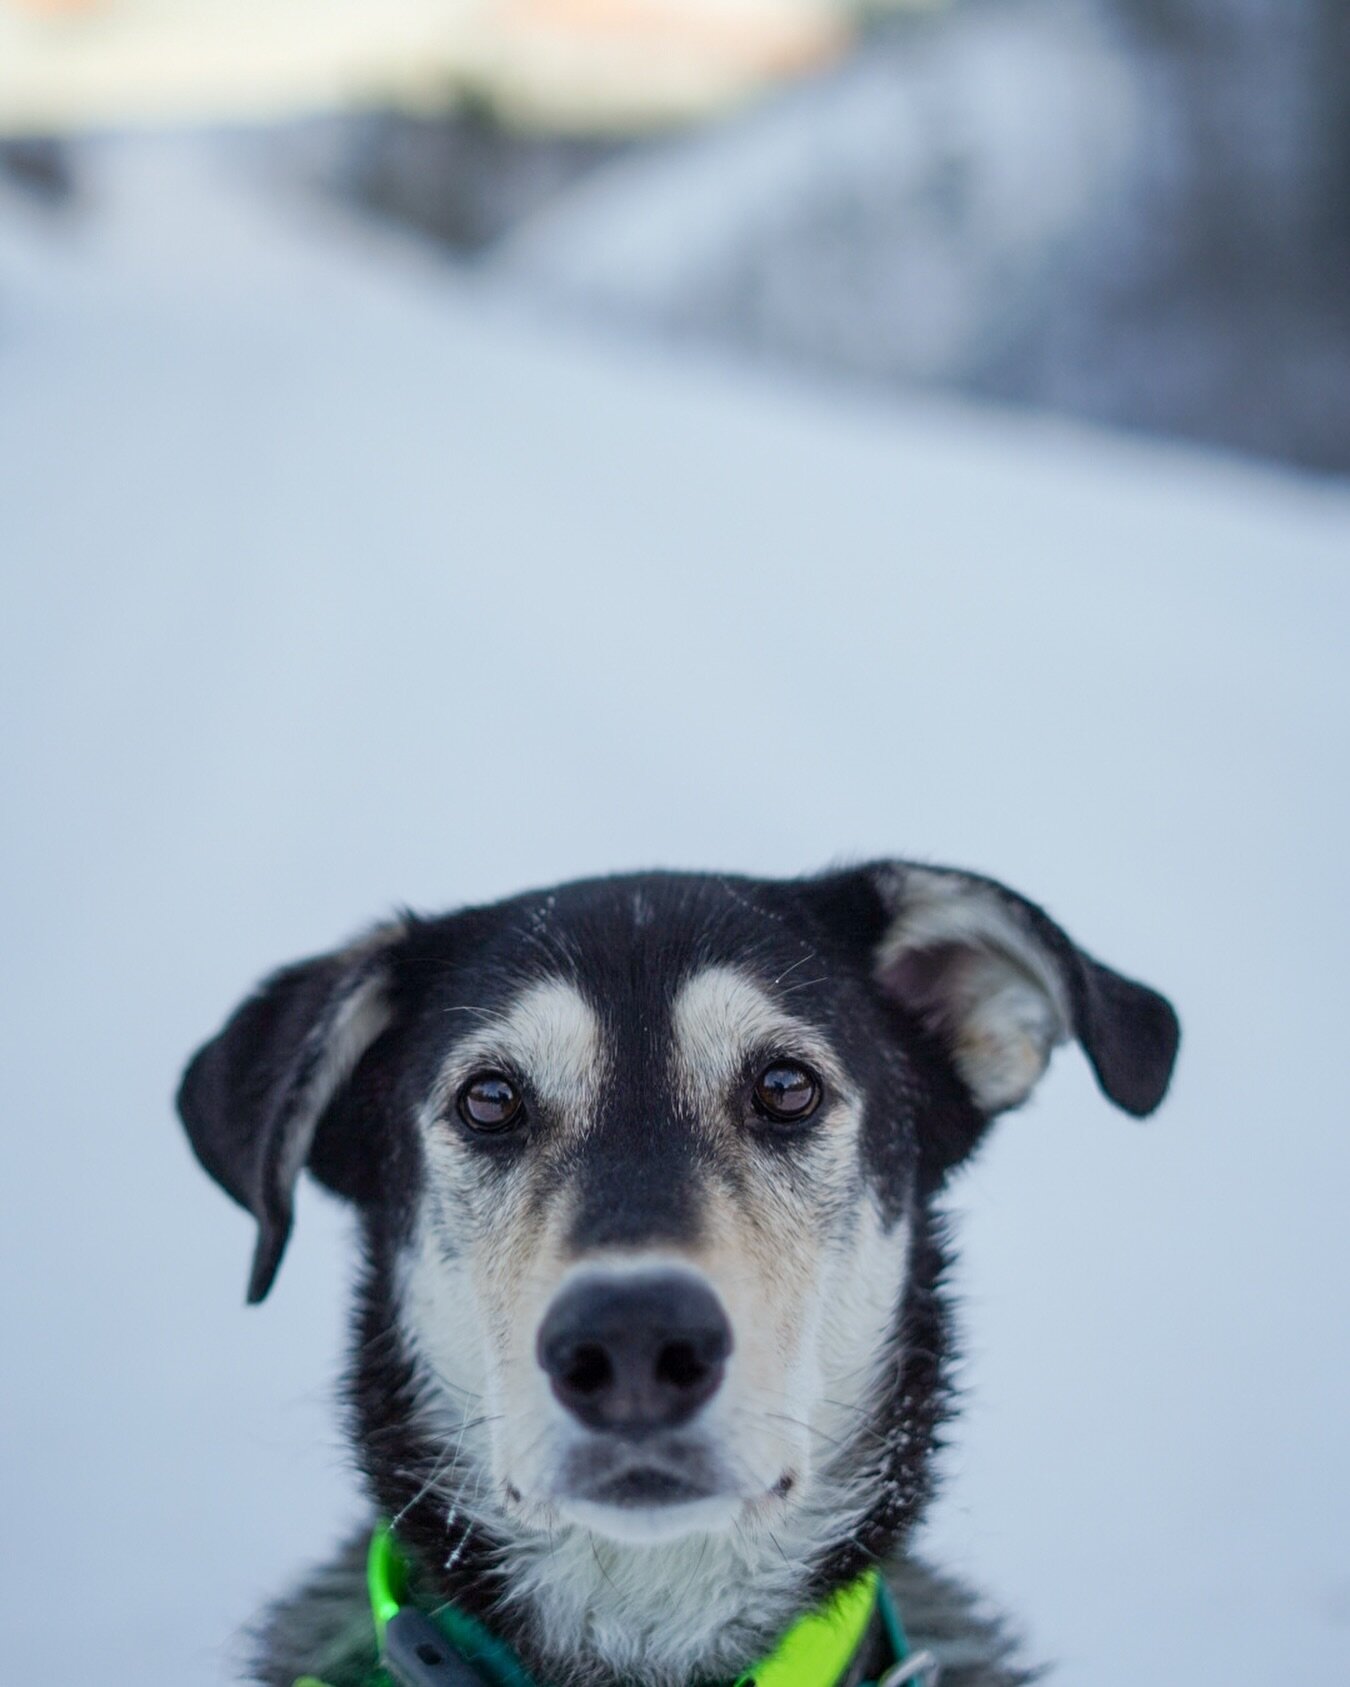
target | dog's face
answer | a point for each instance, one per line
(640, 1161)
(651, 1234)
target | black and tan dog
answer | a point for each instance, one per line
(649, 1353)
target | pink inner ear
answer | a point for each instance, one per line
(926, 982)
(995, 1016)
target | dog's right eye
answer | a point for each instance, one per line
(490, 1102)
(786, 1093)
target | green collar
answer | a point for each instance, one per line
(815, 1652)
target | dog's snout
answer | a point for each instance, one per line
(633, 1357)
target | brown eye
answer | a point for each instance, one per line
(786, 1093)
(490, 1102)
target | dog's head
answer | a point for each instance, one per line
(642, 1162)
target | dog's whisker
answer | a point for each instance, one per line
(801, 961)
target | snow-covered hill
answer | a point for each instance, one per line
(331, 582)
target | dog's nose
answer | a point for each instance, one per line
(636, 1356)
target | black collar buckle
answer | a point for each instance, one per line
(417, 1654)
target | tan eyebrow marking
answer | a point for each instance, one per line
(552, 1037)
(719, 1016)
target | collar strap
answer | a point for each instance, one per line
(816, 1650)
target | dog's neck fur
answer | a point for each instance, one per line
(654, 1615)
(594, 1612)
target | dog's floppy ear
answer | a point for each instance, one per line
(253, 1097)
(997, 982)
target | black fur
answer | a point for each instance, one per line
(269, 1094)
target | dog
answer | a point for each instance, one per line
(650, 1353)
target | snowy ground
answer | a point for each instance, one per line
(333, 583)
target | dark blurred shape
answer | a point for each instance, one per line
(463, 178)
(40, 166)
(1135, 211)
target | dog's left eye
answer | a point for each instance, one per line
(786, 1093)
(490, 1102)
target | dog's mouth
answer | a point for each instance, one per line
(672, 1471)
(642, 1493)
(646, 1485)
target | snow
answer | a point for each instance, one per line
(336, 581)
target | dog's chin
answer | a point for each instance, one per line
(635, 1522)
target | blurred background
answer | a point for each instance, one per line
(453, 445)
